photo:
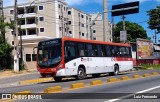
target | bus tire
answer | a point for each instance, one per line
(81, 74)
(95, 75)
(58, 79)
(116, 71)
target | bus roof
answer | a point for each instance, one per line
(94, 41)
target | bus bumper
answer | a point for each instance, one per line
(61, 72)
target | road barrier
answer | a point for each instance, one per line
(146, 75)
(96, 82)
(112, 79)
(77, 85)
(136, 76)
(155, 73)
(53, 89)
(124, 78)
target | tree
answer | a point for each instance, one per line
(133, 31)
(5, 54)
(154, 20)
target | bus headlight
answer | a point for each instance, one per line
(60, 67)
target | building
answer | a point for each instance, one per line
(79, 23)
(46, 19)
(98, 28)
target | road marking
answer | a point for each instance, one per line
(120, 98)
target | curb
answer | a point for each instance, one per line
(33, 81)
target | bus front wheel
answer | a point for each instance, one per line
(58, 79)
(81, 74)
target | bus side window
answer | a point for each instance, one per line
(108, 50)
(122, 51)
(70, 50)
(128, 52)
(90, 50)
(81, 51)
(99, 50)
(115, 51)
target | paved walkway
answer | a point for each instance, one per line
(10, 78)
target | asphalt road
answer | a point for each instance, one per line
(39, 88)
(105, 93)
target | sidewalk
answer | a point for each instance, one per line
(11, 73)
(10, 78)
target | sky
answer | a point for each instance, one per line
(95, 6)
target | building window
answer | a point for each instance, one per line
(41, 18)
(12, 42)
(60, 28)
(28, 57)
(70, 32)
(82, 16)
(34, 57)
(11, 11)
(41, 29)
(86, 26)
(12, 32)
(82, 25)
(64, 8)
(82, 34)
(86, 18)
(69, 22)
(40, 7)
(59, 5)
(94, 31)
(69, 12)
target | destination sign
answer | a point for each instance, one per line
(50, 42)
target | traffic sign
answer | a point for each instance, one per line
(123, 35)
(124, 9)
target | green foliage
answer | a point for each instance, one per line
(150, 66)
(154, 20)
(5, 54)
(133, 31)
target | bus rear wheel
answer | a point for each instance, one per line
(58, 79)
(81, 74)
(116, 71)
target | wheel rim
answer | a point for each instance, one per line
(116, 70)
(81, 74)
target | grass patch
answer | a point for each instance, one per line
(149, 66)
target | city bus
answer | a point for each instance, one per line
(65, 57)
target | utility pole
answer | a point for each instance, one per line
(106, 34)
(124, 25)
(155, 37)
(16, 48)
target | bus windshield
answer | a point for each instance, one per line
(49, 55)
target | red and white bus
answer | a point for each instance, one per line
(63, 57)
